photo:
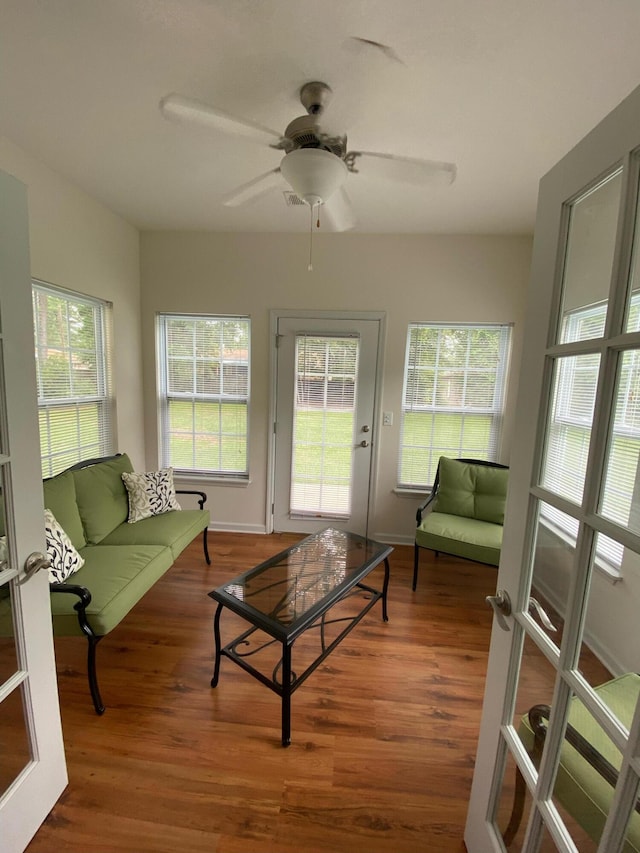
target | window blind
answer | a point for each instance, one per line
(323, 425)
(204, 383)
(453, 397)
(72, 350)
(569, 432)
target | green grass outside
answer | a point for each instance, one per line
(323, 446)
(426, 437)
(220, 441)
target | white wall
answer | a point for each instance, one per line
(78, 244)
(410, 277)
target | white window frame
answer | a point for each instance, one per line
(195, 396)
(77, 447)
(495, 409)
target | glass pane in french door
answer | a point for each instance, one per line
(568, 430)
(620, 498)
(632, 321)
(591, 239)
(15, 742)
(323, 425)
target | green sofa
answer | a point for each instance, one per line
(122, 560)
(464, 513)
(589, 761)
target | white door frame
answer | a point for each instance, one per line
(274, 315)
(594, 156)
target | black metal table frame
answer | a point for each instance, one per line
(288, 682)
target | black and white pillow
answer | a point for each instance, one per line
(151, 493)
(62, 555)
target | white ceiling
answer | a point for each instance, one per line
(503, 88)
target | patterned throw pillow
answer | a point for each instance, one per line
(150, 494)
(63, 557)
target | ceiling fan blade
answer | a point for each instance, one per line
(339, 212)
(178, 108)
(253, 189)
(405, 169)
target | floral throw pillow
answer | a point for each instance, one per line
(150, 494)
(62, 555)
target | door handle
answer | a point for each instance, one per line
(364, 443)
(501, 604)
(34, 563)
(534, 604)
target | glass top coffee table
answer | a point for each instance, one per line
(293, 592)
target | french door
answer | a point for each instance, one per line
(570, 562)
(32, 764)
(326, 373)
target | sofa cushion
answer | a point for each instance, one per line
(102, 497)
(150, 493)
(465, 537)
(60, 499)
(579, 787)
(63, 558)
(471, 491)
(174, 530)
(117, 577)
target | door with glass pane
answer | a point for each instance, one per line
(324, 424)
(32, 764)
(558, 763)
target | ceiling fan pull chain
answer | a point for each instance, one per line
(310, 267)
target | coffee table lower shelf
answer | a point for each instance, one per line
(284, 681)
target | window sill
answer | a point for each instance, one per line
(609, 573)
(234, 482)
(411, 493)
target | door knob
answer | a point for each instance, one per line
(364, 443)
(365, 428)
(501, 604)
(34, 563)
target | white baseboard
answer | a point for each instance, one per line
(599, 649)
(393, 538)
(234, 527)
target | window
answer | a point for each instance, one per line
(569, 435)
(204, 393)
(323, 425)
(453, 397)
(72, 371)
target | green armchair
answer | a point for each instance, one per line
(464, 514)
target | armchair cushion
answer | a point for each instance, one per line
(470, 538)
(471, 491)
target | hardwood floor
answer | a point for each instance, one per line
(383, 734)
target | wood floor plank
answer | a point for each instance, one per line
(384, 732)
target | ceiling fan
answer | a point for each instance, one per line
(316, 161)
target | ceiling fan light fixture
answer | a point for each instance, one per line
(313, 173)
